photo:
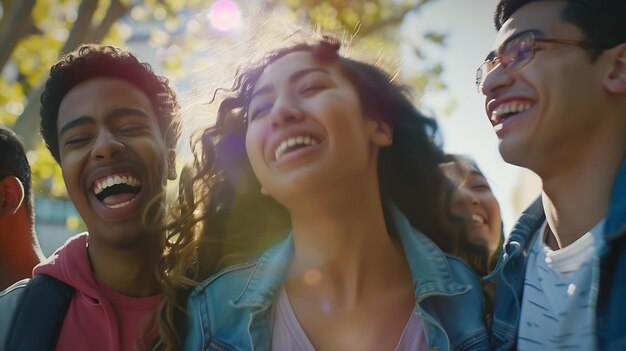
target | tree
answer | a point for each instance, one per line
(35, 33)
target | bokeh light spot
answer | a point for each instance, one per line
(312, 276)
(72, 222)
(224, 15)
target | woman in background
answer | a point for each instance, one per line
(476, 204)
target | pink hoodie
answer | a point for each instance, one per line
(98, 318)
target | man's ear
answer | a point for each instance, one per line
(615, 80)
(381, 132)
(11, 195)
(171, 164)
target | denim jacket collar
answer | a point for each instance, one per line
(521, 237)
(529, 221)
(616, 218)
(267, 276)
(511, 268)
(523, 233)
(428, 265)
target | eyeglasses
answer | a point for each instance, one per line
(516, 53)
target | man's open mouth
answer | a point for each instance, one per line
(506, 110)
(117, 190)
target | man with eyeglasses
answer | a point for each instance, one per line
(555, 89)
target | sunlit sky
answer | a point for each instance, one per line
(466, 129)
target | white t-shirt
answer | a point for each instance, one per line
(289, 336)
(556, 305)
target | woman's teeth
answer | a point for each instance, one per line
(293, 143)
(478, 219)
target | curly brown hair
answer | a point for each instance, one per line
(220, 185)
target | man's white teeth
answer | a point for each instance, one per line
(291, 142)
(478, 219)
(104, 183)
(507, 108)
(123, 204)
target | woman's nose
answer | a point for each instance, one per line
(464, 199)
(285, 112)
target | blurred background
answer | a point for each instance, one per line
(433, 45)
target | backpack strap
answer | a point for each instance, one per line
(40, 315)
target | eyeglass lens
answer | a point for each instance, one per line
(513, 55)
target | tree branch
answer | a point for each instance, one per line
(115, 11)
(28, 122)
(82, 25)
(7, 7)
(18, 24)
(394, 20)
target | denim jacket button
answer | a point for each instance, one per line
(513, 246)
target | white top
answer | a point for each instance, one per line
(556, 304)
(289, 336)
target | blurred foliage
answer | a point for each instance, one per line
(357, 17)
(49, 27)
(46, 173)
(34, 33)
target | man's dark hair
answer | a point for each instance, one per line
(13, 162)
(601, 21)
(94, 61)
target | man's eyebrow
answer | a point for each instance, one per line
(116, 113)
(295, 76)
(536, 32)
(125, 111)
(75, 123)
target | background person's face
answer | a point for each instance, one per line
(475, 202)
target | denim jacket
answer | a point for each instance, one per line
(608, 275)
(233, 309)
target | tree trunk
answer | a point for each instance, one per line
(26, 125)
(115, 11)
(17, 25)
